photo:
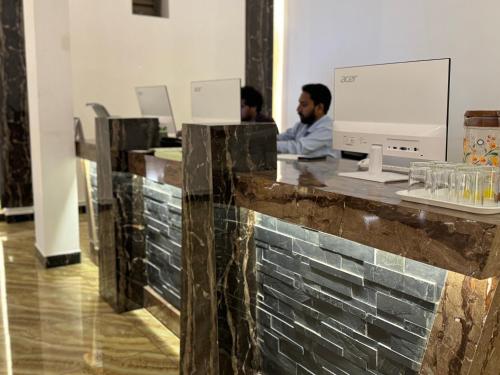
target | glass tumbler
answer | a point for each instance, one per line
(468, 185)
(420, 179)
(443, 180)
(489, 182)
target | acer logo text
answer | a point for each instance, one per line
(348, 79)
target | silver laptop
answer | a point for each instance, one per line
(155, 102)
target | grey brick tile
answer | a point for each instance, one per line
(352, 306)
(327, 270)
(263, 317)
(397, 330)
(281, 274)
(274, 362)
(284, 288)
(296, 305)
(416, 329)
(268, 222)
(175, 210)
(425, 271)
(328, 284)
(281, 259)
(266, 313)
(273, 238)
(404, 283)
(388, 260)
(157, 210)
(288, 347)
(335, 317)
(407, 349)
(365, 294)
(312, 251)
(308, 337)
(152, 192)
(301, 370)
(353, 266)
(176, 201)
(353, 349)
(389, 367)
(155, 223)
(174, 191)
(398, 358)
(337, 371)
(403, 310)
(346, 247)
(358, 335)
(319, 344)
(298, 232)
(162, 241)
(338, 365)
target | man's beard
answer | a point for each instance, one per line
(308, 120)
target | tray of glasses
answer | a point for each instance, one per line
(421, 196)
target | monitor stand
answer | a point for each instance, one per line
(375, 172)
(377, 177)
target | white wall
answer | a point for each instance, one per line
(113, 51)
(51, 135)
(324, 34)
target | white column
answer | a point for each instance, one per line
(280, 10)
(48, 63)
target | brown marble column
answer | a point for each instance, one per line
(259, 48)
(15, 160)
(465, 336)
(218, 332)
(120, 209)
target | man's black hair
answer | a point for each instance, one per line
(320, 94)
(252, 97)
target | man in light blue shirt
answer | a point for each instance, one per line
(312, 136)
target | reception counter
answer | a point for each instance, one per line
(286, 268)
(409, 288)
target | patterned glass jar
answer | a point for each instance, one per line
(482, 137)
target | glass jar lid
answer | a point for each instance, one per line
(484, 119)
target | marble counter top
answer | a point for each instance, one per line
(313, 195)
(157, 169)
(161, 165)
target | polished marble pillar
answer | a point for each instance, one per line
(15, 160)
(259, 48)
(465, 336)
(120, 207)
(218, 282)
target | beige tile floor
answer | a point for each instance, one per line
(53, 321)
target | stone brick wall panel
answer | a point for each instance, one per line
(331, 306)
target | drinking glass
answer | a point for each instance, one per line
(489, 182)
(420, 178)
(443, 180)
(468, 185)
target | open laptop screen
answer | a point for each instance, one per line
(155, 102)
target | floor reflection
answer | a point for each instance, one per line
(53, 322)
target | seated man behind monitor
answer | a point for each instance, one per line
(251, 106)
(311, 136)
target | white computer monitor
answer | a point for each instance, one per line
(216, 101)
(401, 106)
(154, 101)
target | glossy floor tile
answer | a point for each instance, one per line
(53, 321)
